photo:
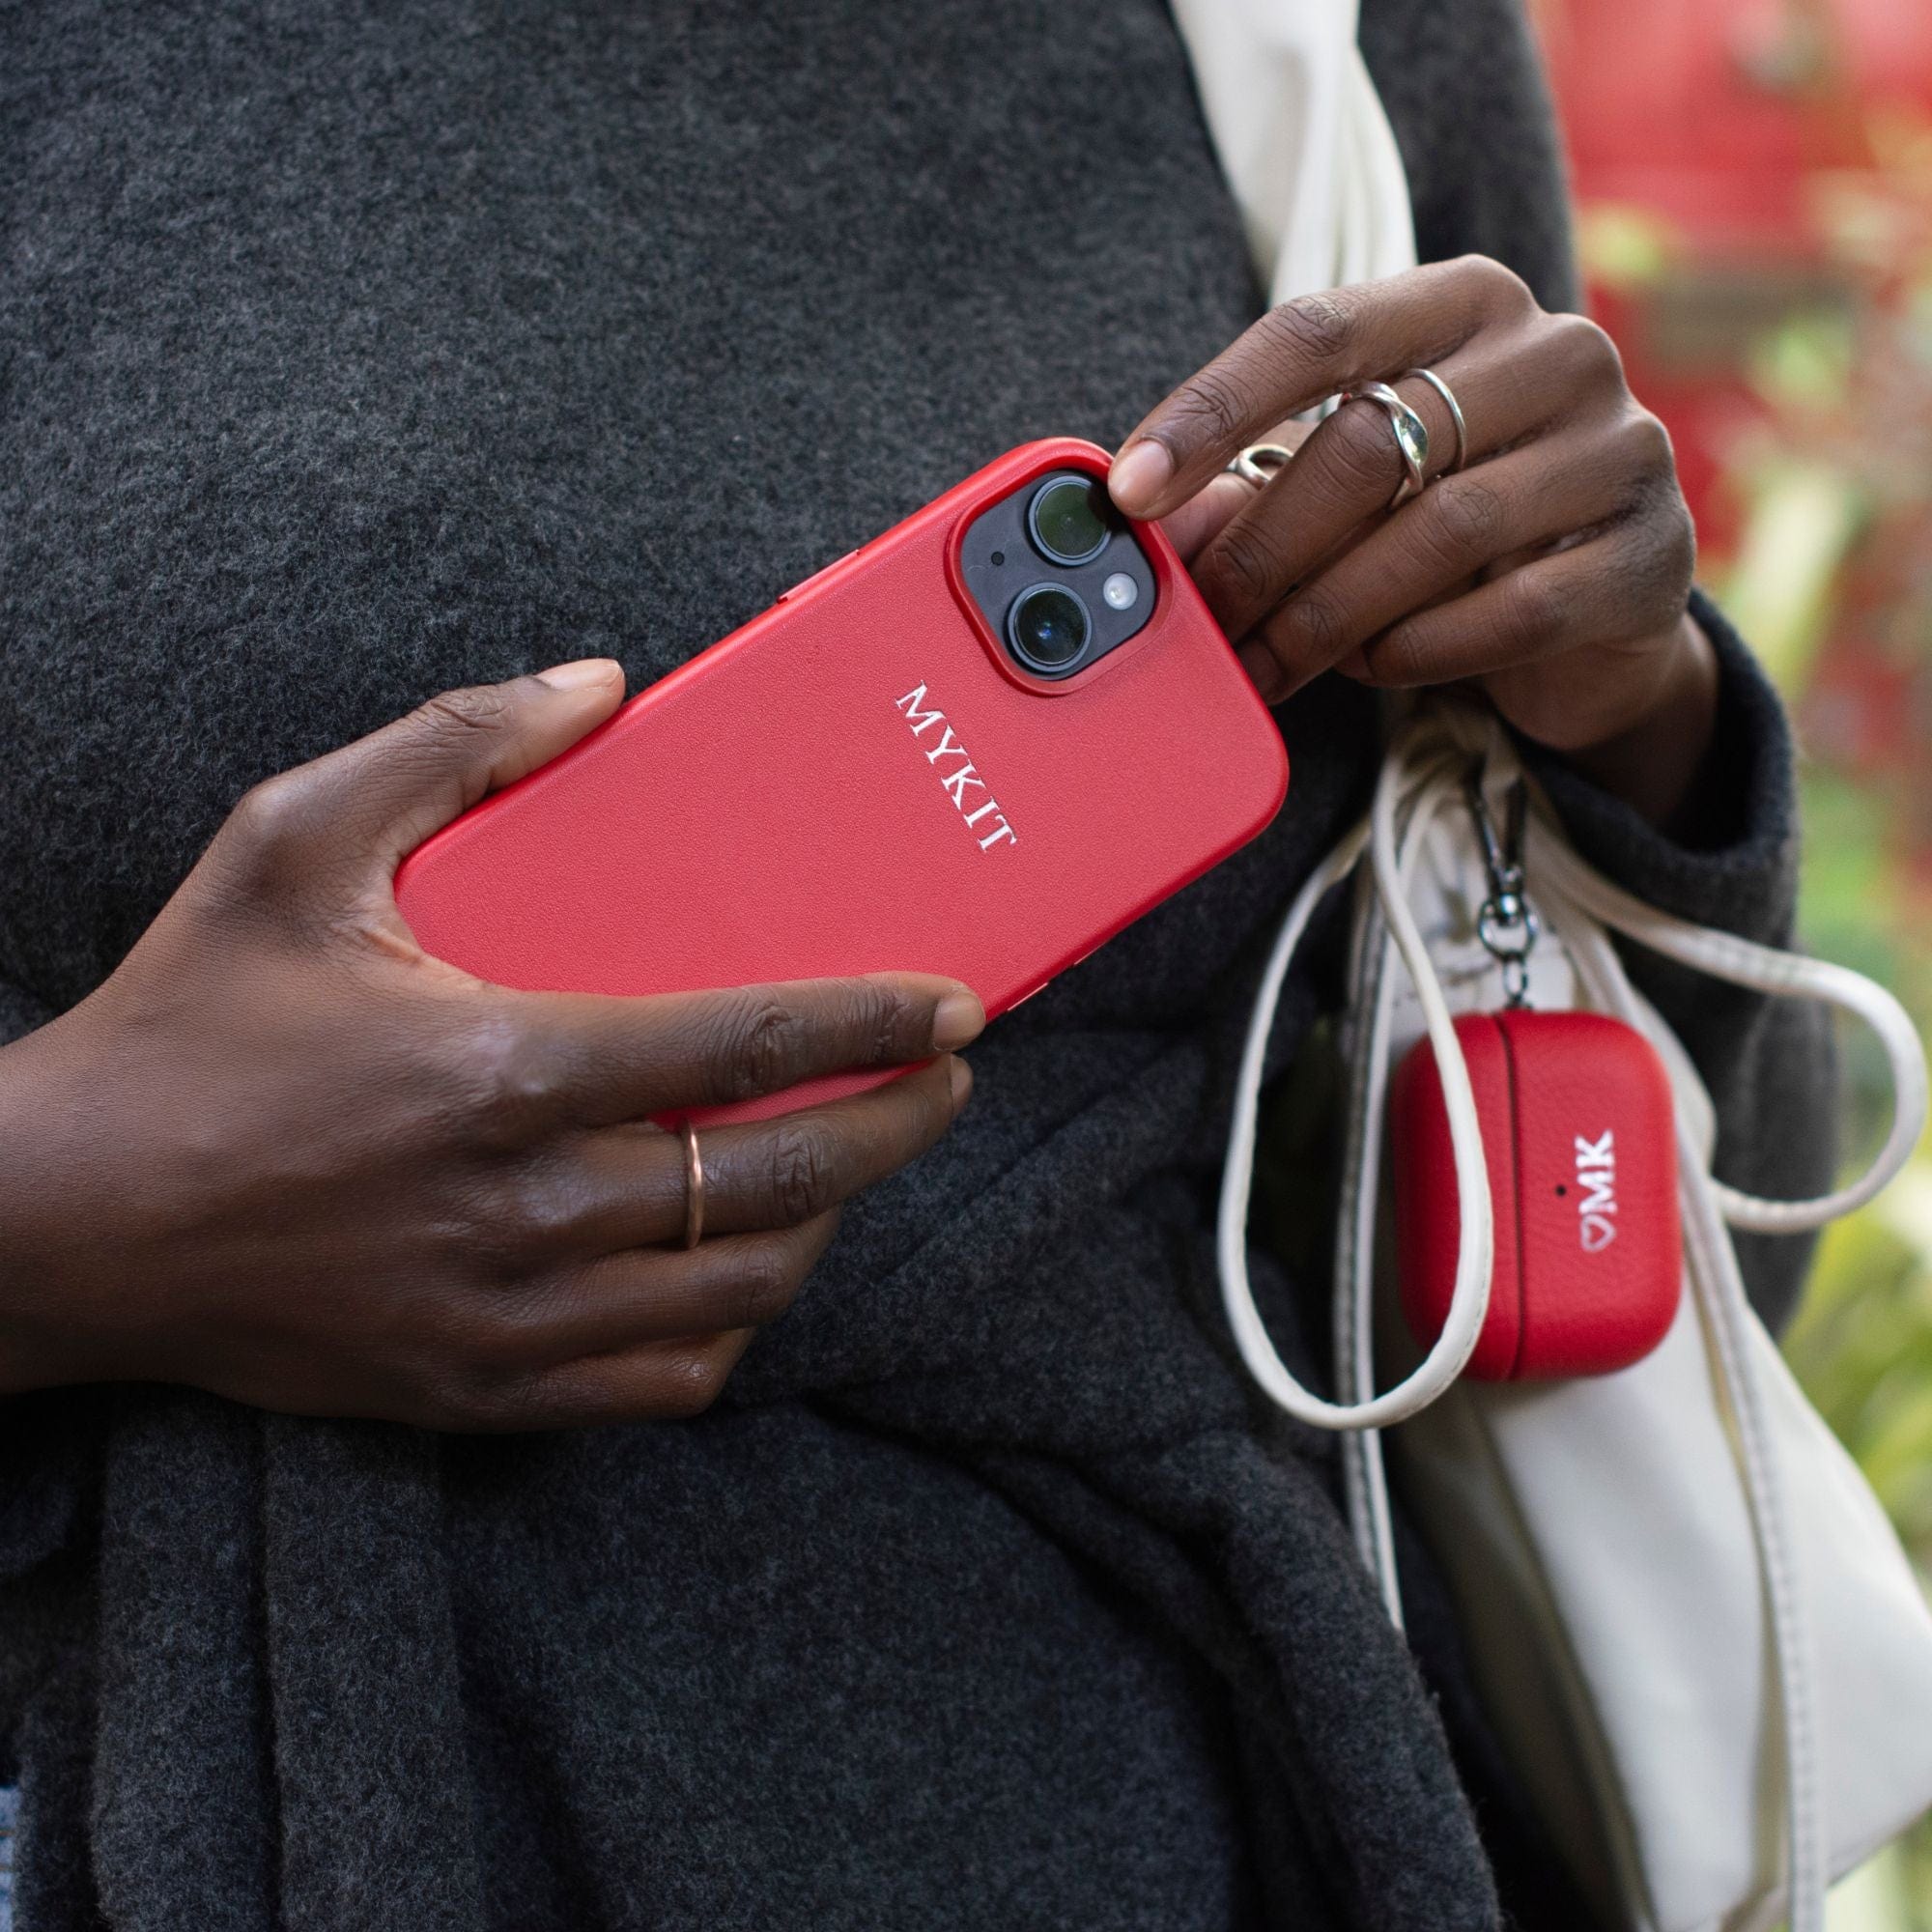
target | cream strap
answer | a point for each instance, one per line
(1723, 955)
(1423, 770)
(1411, 788)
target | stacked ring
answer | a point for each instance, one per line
(1455, 409)
(1411, 437)
(1259, 460)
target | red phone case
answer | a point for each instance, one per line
(858, 780)
(1581, 1141)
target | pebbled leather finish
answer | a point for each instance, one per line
(769, 811)
(1579, 1138)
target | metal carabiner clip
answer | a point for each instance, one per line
(1507, 924)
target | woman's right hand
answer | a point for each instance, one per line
(284, 1154)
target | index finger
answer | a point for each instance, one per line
(1296, 356)
(610, 1059)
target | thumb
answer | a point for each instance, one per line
(387, 792)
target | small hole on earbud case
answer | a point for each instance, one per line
(1561, 1189)
(999, 556)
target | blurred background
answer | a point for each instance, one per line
(1754, 188)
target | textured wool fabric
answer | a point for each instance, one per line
(352, 353)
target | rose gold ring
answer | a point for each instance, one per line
(694, 1186)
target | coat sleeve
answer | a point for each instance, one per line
(1464, 89)
(1770, 1063)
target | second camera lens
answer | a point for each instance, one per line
(1049, 628)
(1067, 519)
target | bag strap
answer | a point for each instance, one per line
(1417, 792)
(1724, 955)
(1299, 129)
(1422, 772)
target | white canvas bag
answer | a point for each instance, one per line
(1694, 1630)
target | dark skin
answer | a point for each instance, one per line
(1554, 572)
(284, 1154)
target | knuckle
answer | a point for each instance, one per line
(1531, 613)
(765, 1285)
(1212, 407)
(1465, 521)
(455, 714)
(889, 1018)
(1645, 447)
(1660, 571)
(800, 1172)
(497, 1343)
(271, 819)
(761, 1043)
(504, 1084)
(1501, 287)
(1397, 659)
(1320, 626)
(1246, 563)
(1681, 547)
(1320, 327)
(1586, 348)
(1361, 454)
(522, 1213)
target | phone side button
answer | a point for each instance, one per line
(806, 583)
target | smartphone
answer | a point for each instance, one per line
(980, 745)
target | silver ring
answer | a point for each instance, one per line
(1411, 437)
(694, 1186)
(1261, 461)
(1455, 409)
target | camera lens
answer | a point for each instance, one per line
(1067, 519)
(1049, 628)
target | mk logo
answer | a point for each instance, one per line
(962, 778)
(1597, 1185)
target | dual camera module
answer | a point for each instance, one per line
(1059, 574)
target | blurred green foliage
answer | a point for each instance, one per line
(1833, 579)
(1830, 577)
(1862, 1344)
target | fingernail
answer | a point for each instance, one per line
(958, 1018)
(1140, 474)
(961, 1077)
(583, 670)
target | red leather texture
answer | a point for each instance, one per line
(1578, 1137)
(776, 809)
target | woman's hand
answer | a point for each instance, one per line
(1554, 568)
(284, 1154)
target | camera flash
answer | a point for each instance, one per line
(1120, 592)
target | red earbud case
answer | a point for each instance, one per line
(1580, 1140)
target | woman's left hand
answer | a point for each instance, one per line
(1553, 568)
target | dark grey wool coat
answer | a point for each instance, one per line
(352, 352)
